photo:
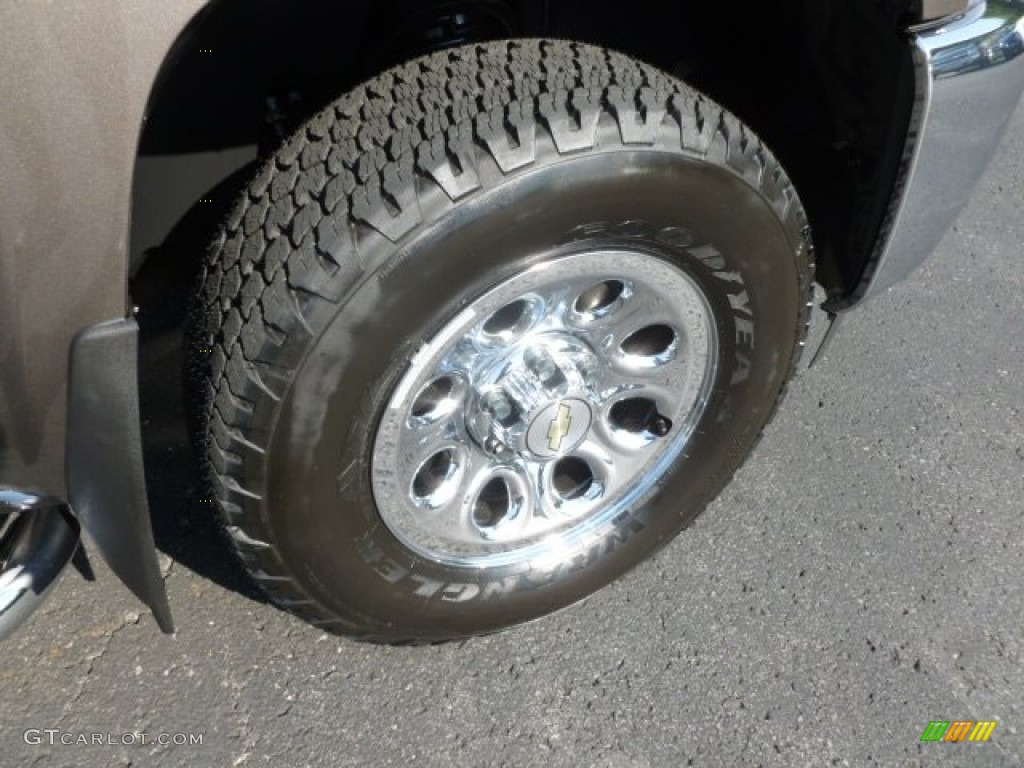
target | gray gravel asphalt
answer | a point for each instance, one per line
(861, 576)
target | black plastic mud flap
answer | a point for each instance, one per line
(105, 474)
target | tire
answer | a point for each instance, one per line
(423, 199)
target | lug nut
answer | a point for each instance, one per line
(496, 404)
(588, 368)
(541, 364)
(495, 447)
(661, 426)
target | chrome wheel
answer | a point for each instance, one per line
(544, 409)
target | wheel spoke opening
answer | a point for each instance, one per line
(572, 478)
(510, 322)
(651, 345)
(435, 400)
(494, 505)
(639, 416)
(600, 299)
(434, 483)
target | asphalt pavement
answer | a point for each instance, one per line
(861, 577)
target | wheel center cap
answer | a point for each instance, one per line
(533, 400)
(559, 428)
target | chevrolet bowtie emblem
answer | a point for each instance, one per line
(559, 427)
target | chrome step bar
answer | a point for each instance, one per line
(38, 536)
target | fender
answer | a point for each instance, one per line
(64, 266)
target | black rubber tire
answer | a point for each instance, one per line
(403, 201)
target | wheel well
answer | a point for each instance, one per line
(828, 84)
